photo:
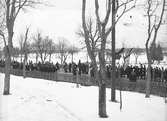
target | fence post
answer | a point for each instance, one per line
(55, 76)
(77, 79)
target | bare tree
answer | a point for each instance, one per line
(11, 9)
(93, 35)
(24, 45)
(103, 32)
(34, 50)
(51, 48)
(41, 46)
(154, 21)
(15, 53)
(117, 54)
(137, 52)
(62, 49)
(37, 40)
(25, 50)
(126, 55)
(21, 41)
(72, 50)
(2, 23)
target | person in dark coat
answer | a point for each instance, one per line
(132, 76)
(74, 69)
(79, 67)
(70, 67)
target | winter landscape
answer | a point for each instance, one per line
(43, 100)
(83, 60)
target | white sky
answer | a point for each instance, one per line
(64, 18)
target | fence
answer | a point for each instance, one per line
(157, 88)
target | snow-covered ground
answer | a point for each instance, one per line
(43, 100)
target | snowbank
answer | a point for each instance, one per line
(43, 100)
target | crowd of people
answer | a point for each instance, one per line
(50, 67)
(131, 72)
(138, 72)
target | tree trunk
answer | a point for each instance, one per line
(162, 76)
(24, 66)
(36, 58)
(21, 57)
(102, 100)
(72, 57)
(113, 94)
(153, 75)
(42, 59)
(148, 81)
(102, 93)
(87, 57)
(8, 60)
(50, 57)
(102, 86)
(7, 73)
(61, 59)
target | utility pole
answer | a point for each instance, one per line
(113, 94)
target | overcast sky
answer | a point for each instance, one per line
(63, 19)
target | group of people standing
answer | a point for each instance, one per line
(80, 68)
(131, 72)
(140, 72)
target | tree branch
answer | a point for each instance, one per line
(125, 10)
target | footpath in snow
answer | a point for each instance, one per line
(43, 100)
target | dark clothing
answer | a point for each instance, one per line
(132, 76)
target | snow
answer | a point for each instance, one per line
(43, 100)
